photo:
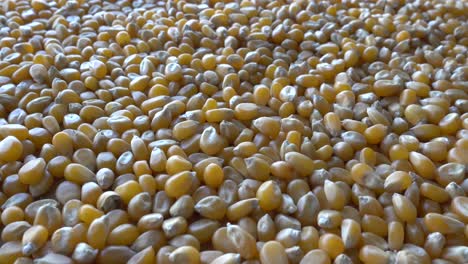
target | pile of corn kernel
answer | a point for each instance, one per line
(234, 132)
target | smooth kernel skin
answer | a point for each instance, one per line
(179, 184)
(64, 240)
(11, 149)
(316, 256)
(33, 239)
(334, 195)
(443, 224)
(423, 165)
(16, 130)
(124, 234)
(273, 252)
(213, 175)
(372, 254)
(267, 126)
(79, 174)
(128, 190)
(98, 232)
(246, 111)
(396, 235)
(404, 208)
(397, 181)
(88, 214)
(459, 206)
(332, 244)
(269, 196)
(301, 163)
(32, 172)
(176, 164)
(11, 215)
(185, 254)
